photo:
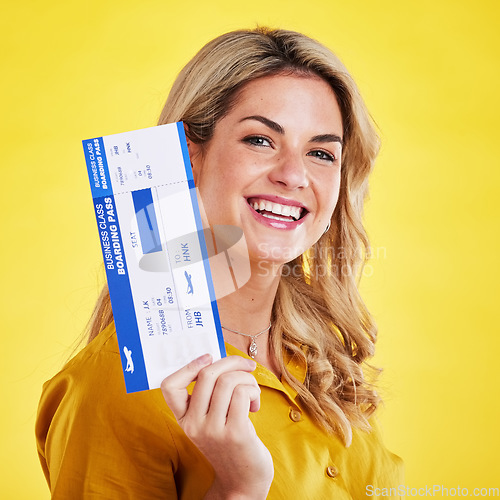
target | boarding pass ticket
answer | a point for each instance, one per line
(154, 251)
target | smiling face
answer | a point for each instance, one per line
(272, 166)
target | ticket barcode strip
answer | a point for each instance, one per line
(147, 221)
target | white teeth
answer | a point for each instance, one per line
(277, 209)
(276, 217)
(295, 212)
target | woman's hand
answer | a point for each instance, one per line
(215, 418)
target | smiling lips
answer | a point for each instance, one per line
(277, 211)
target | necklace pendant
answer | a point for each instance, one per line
(252, 349)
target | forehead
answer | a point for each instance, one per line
(290, 98)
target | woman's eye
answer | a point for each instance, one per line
(257, 140)
(322, 155)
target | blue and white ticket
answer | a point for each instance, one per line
(154, 251)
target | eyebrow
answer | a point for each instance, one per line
(280, 130)
(267, 122)
(327, 138)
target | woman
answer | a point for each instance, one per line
(281, 146)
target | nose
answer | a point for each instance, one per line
(289, 171)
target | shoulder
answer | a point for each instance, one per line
(87, 422)
(87, 402)
(91, 386)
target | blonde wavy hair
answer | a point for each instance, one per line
(318, 315)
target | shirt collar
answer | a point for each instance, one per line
(297, 368)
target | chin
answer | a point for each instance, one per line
(275, 254)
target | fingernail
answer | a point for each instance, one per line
(252, 364)
(205, 359)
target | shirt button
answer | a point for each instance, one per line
(332, 471)
(295, 415)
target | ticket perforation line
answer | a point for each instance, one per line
(161, 185)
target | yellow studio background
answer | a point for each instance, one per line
(429, 73)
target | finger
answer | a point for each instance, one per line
(207, 378)
(244, 398)
(174, 386)
(223, 393)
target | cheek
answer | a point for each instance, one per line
(330, 192)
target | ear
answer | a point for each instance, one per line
(193, 148)
(195, 153)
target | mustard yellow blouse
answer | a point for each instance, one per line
(96, 441)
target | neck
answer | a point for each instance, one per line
(248, 310)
